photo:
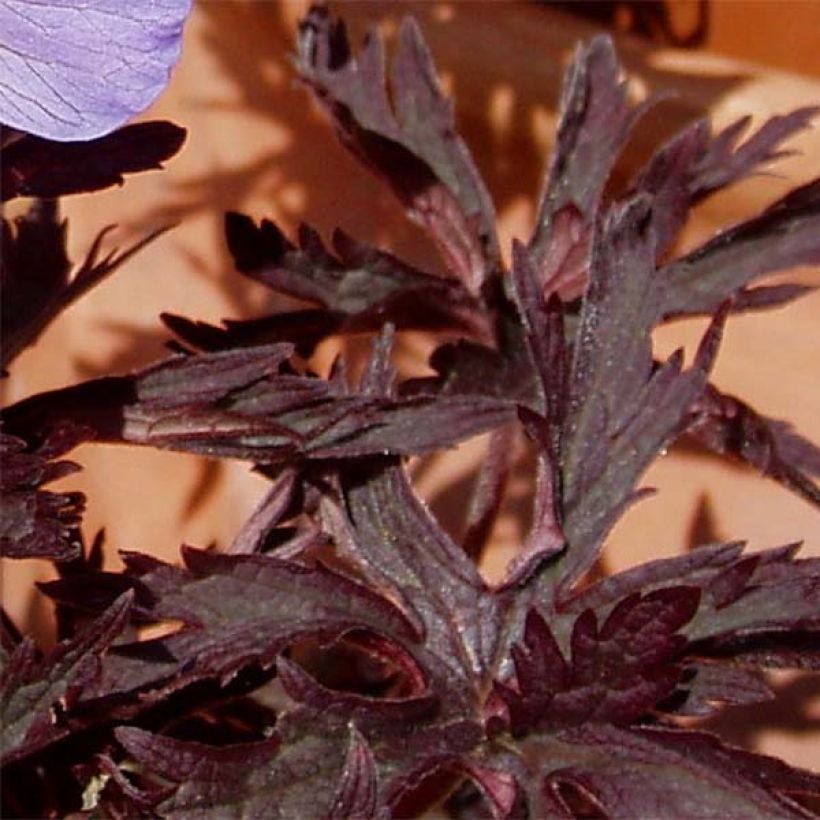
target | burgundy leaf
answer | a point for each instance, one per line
(767, 596)
(271, 511)
(780, 593)
(707, 686)
(769, 296)
(403, 761)
(694, 164)
(616, 673)
(10, 636)
(406, 550)
(783, 236)
(365, 711)
(107, 771)
(620, 308)
(38, 167)
(727, 425)
(38, 696)
(355, 281)
(36, 274)
(237, 780)
(248, 403)
(764, 771)
(667, 177)
(621, 409)
(778, 649)
(543, 324)
(656, 772)
(540, 670)
(545, 539)
(412, 426)
(37, 523)
(343, 630)
(469, 368)
(544, 333)
(304, 770)
(302, 328)
(378, 375)
(594, 122)
(696, 568)
(91, 592)
(357, 797)
(406, 135)
(500, 788)
(265, 605)
(411, 759)
(724, 161)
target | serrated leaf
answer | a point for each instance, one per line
(281, 499)
(620, 307)
(234, 781)
(406, 135)
(794, 649)
(37, 523)
(392, 680)
(727, 425)
(265, 604)
(37, 697)
(756, 609)
(355, 283)
(656, 772)
(707, 686)
(724, 161)
(37, 279)
(695, 568)
(594, 122)
(469, 368)
(309, 768)
(742, 593)
(406, 550)
(249, 403)
(302, 328)
(615, 673)
(694, 164)
(620, 408)
(783, 236)
(779, 593)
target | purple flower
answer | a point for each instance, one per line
(77, 69)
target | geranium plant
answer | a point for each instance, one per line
(343, 656)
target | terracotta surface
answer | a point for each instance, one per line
(256, 143)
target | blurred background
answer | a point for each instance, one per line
(256, 143)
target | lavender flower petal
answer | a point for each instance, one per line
(75, 70)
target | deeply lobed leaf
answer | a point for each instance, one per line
(382, 676)
(38, 695)
(406, 135)
(38, 523)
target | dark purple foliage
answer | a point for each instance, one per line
(36, 273)
(37, 167)
(344, 657)
(37, 523)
